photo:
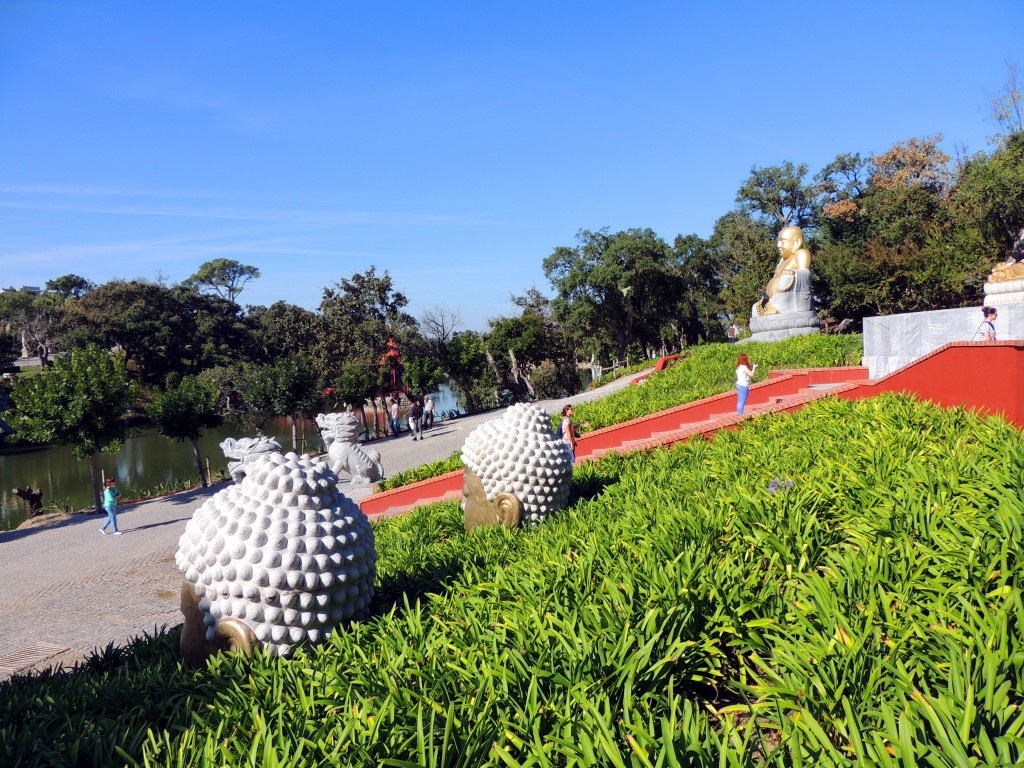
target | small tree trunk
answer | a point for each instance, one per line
(199, 462)
(366, 424)
(295, 433)
(94, 473)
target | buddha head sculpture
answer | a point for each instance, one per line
(517, 471)
(278, 560)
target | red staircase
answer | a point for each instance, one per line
(985, 376)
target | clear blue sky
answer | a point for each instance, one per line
(453, 144)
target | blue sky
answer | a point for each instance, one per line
(454, 145)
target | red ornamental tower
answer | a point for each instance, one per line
(391, 370)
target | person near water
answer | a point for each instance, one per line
(415, 416)
(110, 494)
(428, 412)
(394, 416)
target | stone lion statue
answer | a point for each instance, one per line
(340, 432)
(245, 450)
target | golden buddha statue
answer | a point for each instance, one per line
(1013, 267)
(789, 290)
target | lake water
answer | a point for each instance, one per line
(145, 463)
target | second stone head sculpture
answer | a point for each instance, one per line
(517, 471)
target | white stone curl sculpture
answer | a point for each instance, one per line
(245, 449)
(517, 456)
(340, 432)
(284, 553)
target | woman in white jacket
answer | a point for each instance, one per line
(744, 370)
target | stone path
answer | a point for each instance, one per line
(68, 590)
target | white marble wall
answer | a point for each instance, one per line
(892, 341)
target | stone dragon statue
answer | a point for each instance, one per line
(244, 450)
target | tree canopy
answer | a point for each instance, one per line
(181, 412)
(224, 277)
(79, 401)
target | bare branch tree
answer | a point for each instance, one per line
(1008, 106)
(440, 322)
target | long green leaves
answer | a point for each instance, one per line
(837, 587)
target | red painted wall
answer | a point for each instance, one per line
(983, 376)
(407, 496)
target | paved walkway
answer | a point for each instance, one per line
(67, 589)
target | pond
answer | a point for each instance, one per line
(147, 464)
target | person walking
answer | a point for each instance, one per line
(428, 412)
(415, 416)
(567, 431)
(744, 370)
(394, 416)
(731, 333)
(987, 330)
(110, 494)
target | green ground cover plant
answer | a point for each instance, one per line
(701, 372)
(618, 373)
(835, 587)
(423, 472)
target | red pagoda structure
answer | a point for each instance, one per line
(392, 368)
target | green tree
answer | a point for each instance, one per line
(1008, 106)
(79, 401)
(224, 277)
(288, 387)
(458, 355)
(700, 271)
(892, 239)
(182, 412)
(283, 329)
(30, 317)
(746, 249)
(778, 196)
(989, 199)
(161, 330)
(356, 383)
(614, 289)
(144, 320)
(10, 349)
(356, 318)
(69, 287)
(517, 345)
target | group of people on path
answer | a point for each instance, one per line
(421, 416)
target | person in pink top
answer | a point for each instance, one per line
(744, 370)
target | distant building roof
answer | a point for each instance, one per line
(29, 288)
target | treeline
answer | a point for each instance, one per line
(279, 360)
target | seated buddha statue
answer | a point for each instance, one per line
(789, 290)
(1013, 267)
